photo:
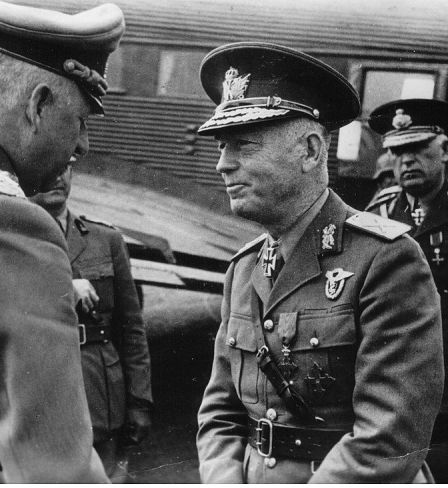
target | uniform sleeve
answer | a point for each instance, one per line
(398, 376)
(134, 353)
(222, 434)
(45, 429)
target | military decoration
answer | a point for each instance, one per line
(335, 282)
(436, 240)
(270, 260)
(418, 214)
(318, 381)
(401, 120)
(328, 236)
(287, 330)
(234, 86)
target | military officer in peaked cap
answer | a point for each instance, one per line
(51, 79)
(415, 132)
(327, 369)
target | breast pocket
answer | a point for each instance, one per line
(100, 272)
(242, 353)
(325, 348)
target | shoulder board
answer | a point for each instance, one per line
(384, 196)
(379, 226)
(93, 221)
(250, 246)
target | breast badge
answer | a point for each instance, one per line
(335, 282)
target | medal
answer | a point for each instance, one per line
(335, 282)
(418, 214)
(270, 259)
(287, 329)
(436, 240)
(318, 381)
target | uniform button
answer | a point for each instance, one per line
(232, 341)
(268, 325)
(314, 341)
(270, 462)
(298, 442)
(271, 414)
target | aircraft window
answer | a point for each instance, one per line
(383, 86)
(178, 73)
(114, 74)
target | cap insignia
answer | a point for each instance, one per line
(401, 120)
(335, 282)
(234, 86)
(328, 236)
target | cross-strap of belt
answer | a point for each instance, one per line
(286, 390)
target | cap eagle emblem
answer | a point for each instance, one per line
(401, 120)
(234, 86)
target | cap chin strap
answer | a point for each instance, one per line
(269, 103)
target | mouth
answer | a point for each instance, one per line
(411, 175)
(235, 188)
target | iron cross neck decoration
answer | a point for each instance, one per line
(270, 259)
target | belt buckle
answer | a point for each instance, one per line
(260, 424)
(82, 334)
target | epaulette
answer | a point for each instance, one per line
(388, 229)
(384, 196)
(250, 246)
(100, 222)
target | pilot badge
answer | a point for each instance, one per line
(328, 236)
(335, 282)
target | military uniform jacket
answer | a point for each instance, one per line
(45, 429)
(379, 339)
(432, 235)
(116, 373)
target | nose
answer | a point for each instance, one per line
(227, 161)
(407, 157)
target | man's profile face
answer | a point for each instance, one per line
(54, 194)
(261, 168)
(61, 139)
(419, 167)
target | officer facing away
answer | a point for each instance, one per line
(326, 369)
(414, 131)
(51, 79)
(114, 349)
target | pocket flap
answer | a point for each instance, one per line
(319, 329)
(97, 270)
(241, 333)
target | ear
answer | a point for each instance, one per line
(444, 148)
(41, 97)
(313, 154)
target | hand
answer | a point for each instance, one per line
(85, 293)
(138, 425)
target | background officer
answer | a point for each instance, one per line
(414, 131)
(114, 349)
(51, 80)
(327, 369)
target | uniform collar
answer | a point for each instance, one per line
(437, 214)
(289, 239)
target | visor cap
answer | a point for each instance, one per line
(255, 82)
(75, 46)
(409, 121)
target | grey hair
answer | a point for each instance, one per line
(18, 78)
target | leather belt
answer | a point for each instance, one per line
(292, 442)
(89, 334)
